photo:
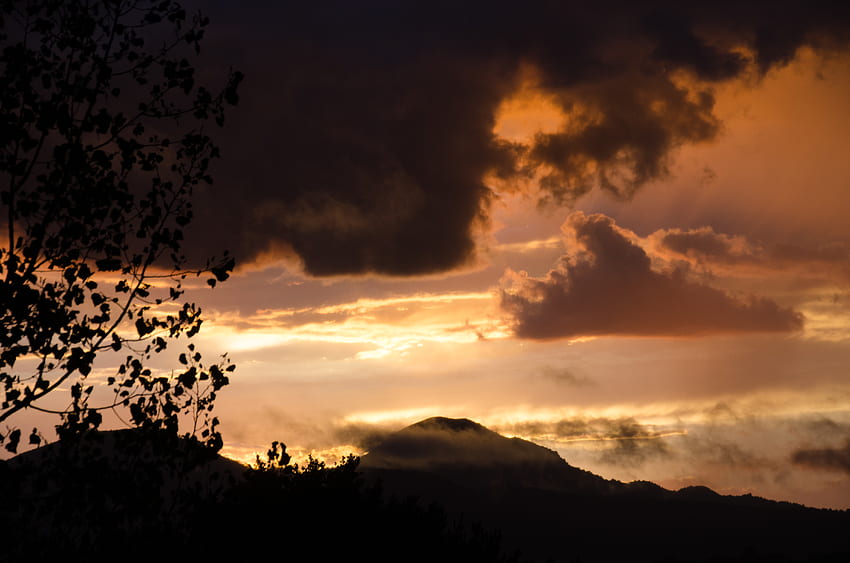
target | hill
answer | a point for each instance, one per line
(117, 489)
(548, 509)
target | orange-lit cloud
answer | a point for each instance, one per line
(378, 327)
(606, 285)
(775, 173)
(738, 255)
(367, 154)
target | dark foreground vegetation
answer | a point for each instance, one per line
(441, 490)
(144, 496)
(552, 511)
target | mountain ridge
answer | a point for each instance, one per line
(549, 510)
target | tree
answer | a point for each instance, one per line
(103, 138)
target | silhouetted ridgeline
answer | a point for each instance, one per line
(551, 510)
(148, 496)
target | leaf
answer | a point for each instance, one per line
(103, 178)
(108, 264)
(222, 272)
(188, 377)
(14, 438)
(142, 327)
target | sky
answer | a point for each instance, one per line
(618, 232)
(615, 230)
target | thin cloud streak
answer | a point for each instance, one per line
(383, 326)
(737, 255)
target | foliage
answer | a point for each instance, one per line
(67, 502)
(335, 510)
(106, 490)
(102, 141)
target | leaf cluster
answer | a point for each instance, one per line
(103, 140)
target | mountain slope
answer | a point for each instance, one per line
(467, 453)
(548, 509)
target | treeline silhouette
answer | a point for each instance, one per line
(441, 490)
(551, 510)
(149, 496)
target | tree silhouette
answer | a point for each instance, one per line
(102, 140)
(333, 510)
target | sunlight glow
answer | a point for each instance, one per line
(393, 326)
(399, 416)
(529, 111)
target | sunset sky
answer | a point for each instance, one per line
(620, 232)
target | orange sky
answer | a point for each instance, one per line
(429, 225)
(325, 363)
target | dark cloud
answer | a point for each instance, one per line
(564, 376)
(625, 441)
(710, 248)
(606, 285)
(704, 244)
(365, 129)
(597, 428)
(836, 459)
(634, 452)
(677, 43)
(628, 125)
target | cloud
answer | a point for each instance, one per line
(565, 377)
(606, 285)
(363, 435)
(835, 459)
(364, 131)
(618, 137)
(705, 245)
(625, 442)
(737, 254)
(634, 452)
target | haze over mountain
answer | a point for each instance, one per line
(543, 508)
(547, 508)
(466, 453)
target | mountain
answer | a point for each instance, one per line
(133, 488)
(549, 510)
(124, 455)
(108, 489)
(467, 453)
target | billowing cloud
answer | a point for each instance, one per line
(606, 285)
(835, 459)
(365, 131)
(619, 135)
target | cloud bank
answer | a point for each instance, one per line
(606, 285)
(721, 252)
(366, 129)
